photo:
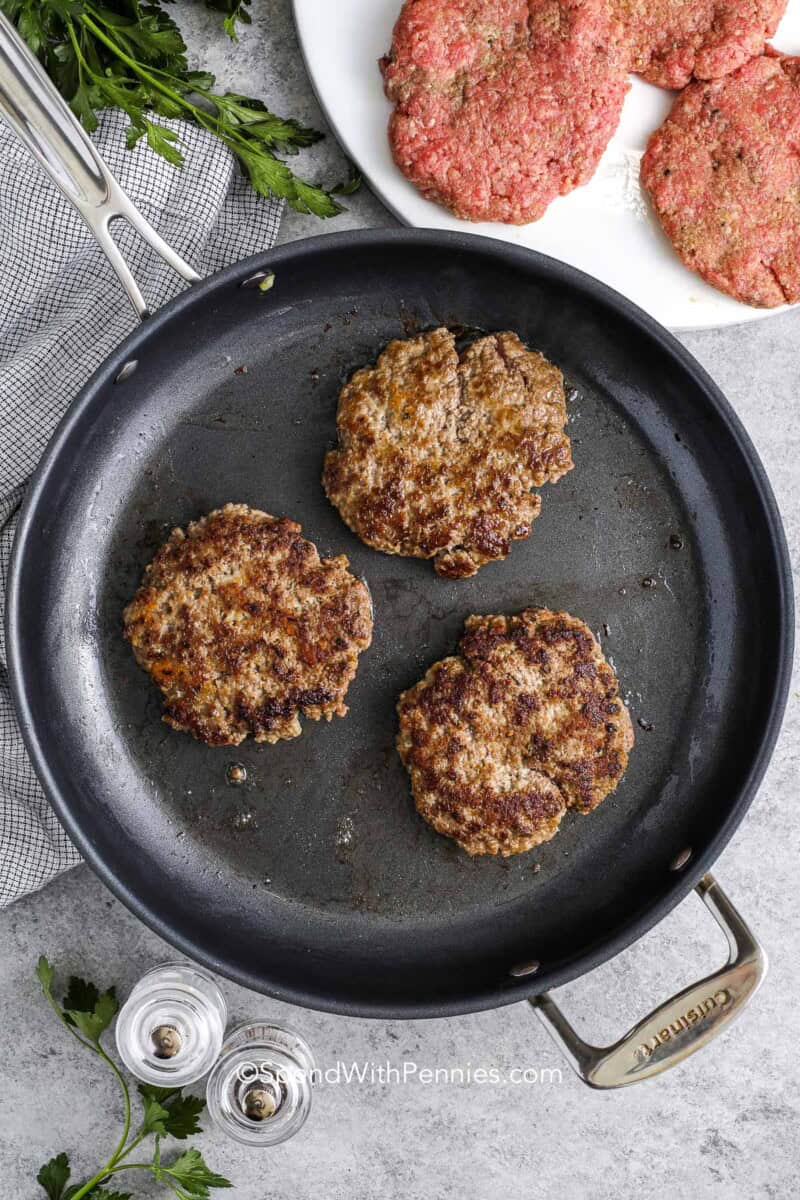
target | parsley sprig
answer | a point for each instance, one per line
(235, 10)
(131, 55)
(87, 1013)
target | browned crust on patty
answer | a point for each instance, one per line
(438, 453)
(243, 627)
(525, 723)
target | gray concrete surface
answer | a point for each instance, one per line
(723, 1125)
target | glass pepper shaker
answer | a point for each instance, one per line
(259, 1091)
(170, 1029)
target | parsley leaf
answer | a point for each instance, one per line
(54, 1176)
(163, 142)
(158, 1093)
(193, 1176)
(254, 119)
(178, 1113)
(183, 1114)
(349, 185)
(130, 54)
(46, 975)
(83, 103)
(93, 1024)
(81, 996)
(235, 10)
(154, 1116)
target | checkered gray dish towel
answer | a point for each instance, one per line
(62, 312)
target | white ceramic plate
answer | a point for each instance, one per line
(605, 228)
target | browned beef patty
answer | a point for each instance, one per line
(438, 453)
(502, 105)
(723, 174)
(525, 723)
(243, 627)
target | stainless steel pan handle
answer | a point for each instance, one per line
(47, 127)
(680, 1026)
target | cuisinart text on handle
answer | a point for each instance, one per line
(686, 1021)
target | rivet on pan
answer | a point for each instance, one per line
(523, 969)
(263, 280)
(680, 861)
(127, 370)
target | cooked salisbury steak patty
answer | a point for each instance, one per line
(438, 453)
(525, 723)
(243, 627)
(723, 173)
(502, 105)
(672, 40)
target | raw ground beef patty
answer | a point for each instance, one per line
(723, 173)
(502, 105)
(670, 41)
(525, 723)
(244, 628)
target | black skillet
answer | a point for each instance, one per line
(315, 881)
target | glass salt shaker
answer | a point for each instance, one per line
(170, 1029)
(259, 1091)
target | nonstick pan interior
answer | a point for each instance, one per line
(315, 880)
